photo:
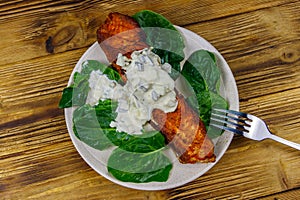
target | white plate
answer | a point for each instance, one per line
(180, 173)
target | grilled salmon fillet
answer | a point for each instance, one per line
(183, 129)
(185, 133)
(120, 34)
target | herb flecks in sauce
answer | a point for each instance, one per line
(148, 86)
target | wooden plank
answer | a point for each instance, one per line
(238, 35)
(32, 89)
(205, 10)
(42, 27)
(290, 194)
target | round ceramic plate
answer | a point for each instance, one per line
(180, 173)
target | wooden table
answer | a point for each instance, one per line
(42, 40)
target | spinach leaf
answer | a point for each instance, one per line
(201, 66)
(77, 92)
(172, 58)
(91, 65)
(167, 41)
(148, 142)
(203, 102)
(91, 128)
(139, 167)
(66, 99)
(217, 102)
(94, 65)
(148, 18)
(203, 77)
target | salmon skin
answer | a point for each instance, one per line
(183, 129)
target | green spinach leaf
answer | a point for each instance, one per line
(89, 130)
(92, 125)
(139, 167)
(203, 102)
(94, 65)
(91, 65)
(167, 41)
(77, 92)
(217, 102)
(66, 99)
(148, 142)
(201, 66)
(203, 77)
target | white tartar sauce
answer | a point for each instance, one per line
(101, 87)
(148, 86)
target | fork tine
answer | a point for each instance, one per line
(224, 120)
(227, 117)
(245, 115)
(226, 128)
(241, 117)
(233, 121)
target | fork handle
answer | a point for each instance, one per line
(284, 141)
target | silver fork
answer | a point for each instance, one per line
(245, 124)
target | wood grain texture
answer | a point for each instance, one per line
(290, 194)
(38, 28)
(41, 41)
